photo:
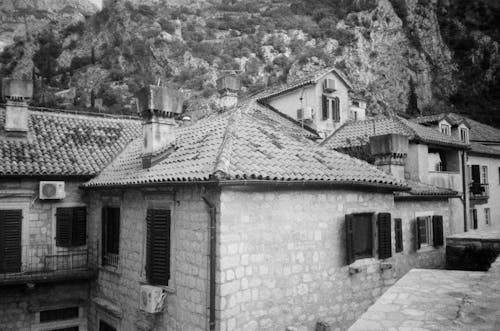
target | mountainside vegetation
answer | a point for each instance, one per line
(404, 56)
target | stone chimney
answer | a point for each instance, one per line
(17, 94)
(158, 106)
(228, 86)
(390, 152)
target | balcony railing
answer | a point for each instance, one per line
(47, 263)
(479, 190)
(110, 259)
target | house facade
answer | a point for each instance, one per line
(45, 253)
(483, 163)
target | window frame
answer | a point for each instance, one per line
(445, 129)
(148, 279)
(487, 216)
(464, 135)
(434, 231)
(80, 321)
(109, 258)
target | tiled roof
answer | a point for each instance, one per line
(478, 131)
(309, 79)
(245, 143)
(358, 133)
(419, 189)
(480, 149)
(63, 144)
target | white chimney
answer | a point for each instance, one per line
(17, 94)
(228, 86)
(158, 106)
(390, 152)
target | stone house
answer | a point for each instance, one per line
(45, 269)
(244, 223)
(431, 161)
(483, 163)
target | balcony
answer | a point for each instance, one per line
(47, 263)
(479, 192)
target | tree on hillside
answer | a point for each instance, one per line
(45, 59)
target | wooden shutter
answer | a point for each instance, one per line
(324, 107)
(64, 219)
(158, 246)
(476, 173)
(79, 226)
(398, 231)
(104, 218)
(437, 230)
(113, 231)
(336, 109)
(384, 235)
(10, 240)
(349, 239)
(421, 232)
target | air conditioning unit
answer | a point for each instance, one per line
(305, 114)
(329, 85)
(52, 190)
(152, 299)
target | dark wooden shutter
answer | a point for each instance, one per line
(398, 231)
(79, 227)
(421, 232)
(104, 218)
(324, 107)
(158, 246)
(349, 239)
(10, 240)
(113, 233)
(384, 235)
(336, 109)
(476, 173)
(64, 220)
(437, 230)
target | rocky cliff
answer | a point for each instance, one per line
(405, 56)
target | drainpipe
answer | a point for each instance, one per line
(464, 189)
(212, 211)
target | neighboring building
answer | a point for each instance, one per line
(45, 269)
(483, 165)
(319, 101)
(432, 158)
(247, 224)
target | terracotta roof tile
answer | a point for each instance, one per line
(62, 144)
(243, 144)
(419, 189)
(358, 133)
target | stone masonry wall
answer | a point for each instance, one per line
(187, 300)
(282, 257)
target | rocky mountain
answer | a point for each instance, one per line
(405, 56)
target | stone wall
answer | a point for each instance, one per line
(119, 288)
(282, 257)
(19, 305)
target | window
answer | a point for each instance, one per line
(158, 246)
(59, 314)
(359, 236)
(103, 326)
(61, 319)
(331, 106)
(464, 135)
(71, 226)
(487, 216)
(10, 240)
(429, 231)
(398, 231)
(110, 235)
(445, 129)
(484, 174)
(473, 217)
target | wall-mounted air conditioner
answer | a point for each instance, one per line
(152, 299)
(52, 190)
(329, 85)
(305, 114)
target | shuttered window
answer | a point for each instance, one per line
(10, 240)
(398, 232)
(384, 235)
(437, 230)
(71, 226)
(324, 108)
(110, 235)
(158, 246)
(335, 109)
(359, 236)
(421, 231)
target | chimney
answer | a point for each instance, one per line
(390, 151)
(228, 86)
(158, 106)
(17, 94)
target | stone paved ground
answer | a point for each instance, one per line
(437, 300)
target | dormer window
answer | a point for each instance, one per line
(331, 108)
(464, 135)
(445, 129)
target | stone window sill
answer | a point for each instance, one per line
(110, 269)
